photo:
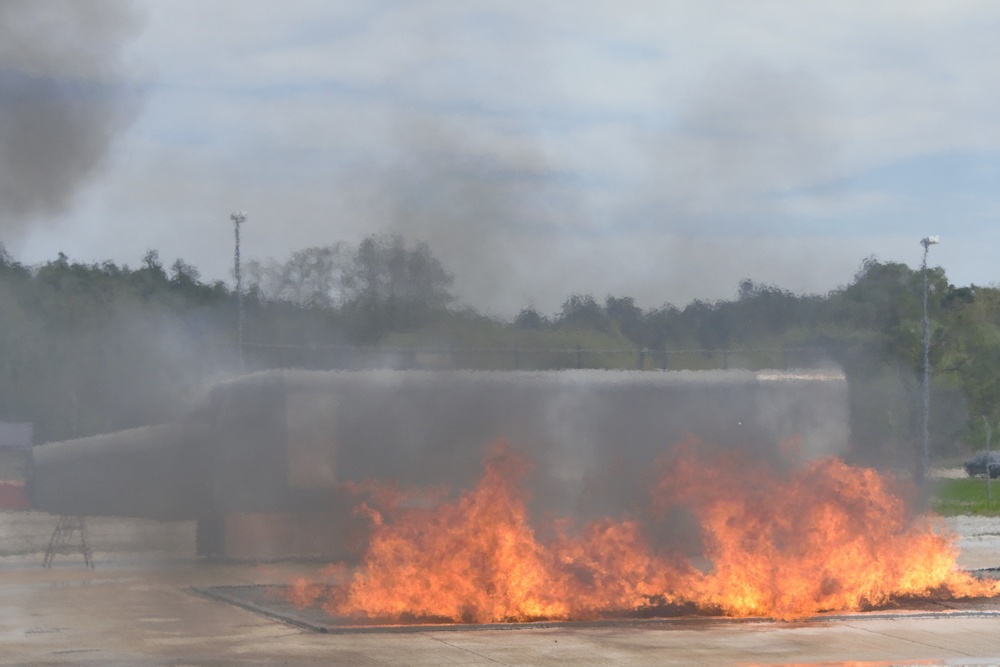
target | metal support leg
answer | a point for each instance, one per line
(62, 536)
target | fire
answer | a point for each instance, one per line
(784, 544)
(474, 560)
(304, 593)
(828, 536)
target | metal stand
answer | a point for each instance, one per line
(62, 536)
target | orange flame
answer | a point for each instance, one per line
(823, 537)
(826, 537)
(475, 560)
(304, 593)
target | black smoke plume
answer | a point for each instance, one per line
(63, 100)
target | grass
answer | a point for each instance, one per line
(966, 496)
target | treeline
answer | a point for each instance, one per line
(91, 347)
(86, 348)
(872, 328)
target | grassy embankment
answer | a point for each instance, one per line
(966, 496)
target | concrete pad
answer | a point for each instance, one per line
(135, 614)
(135, 608)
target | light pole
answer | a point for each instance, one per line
(238, 218)
(924, 457)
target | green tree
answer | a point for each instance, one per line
(310, 277)
(582, 311)
(390, 285)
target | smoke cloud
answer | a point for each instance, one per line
(501, 206)
(746, 135)
(63, 100)
(484, 202)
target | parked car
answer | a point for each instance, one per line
(977, 464)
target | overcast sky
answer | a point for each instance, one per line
(662, 150)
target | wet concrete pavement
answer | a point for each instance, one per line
(139, 610)
(145, 614)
